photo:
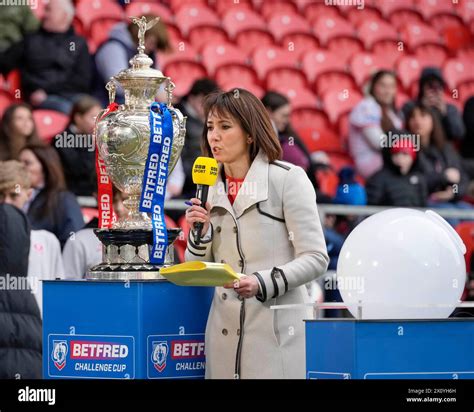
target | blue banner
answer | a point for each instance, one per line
(155, 175)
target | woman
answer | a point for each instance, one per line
(52, 207)
(294, 150)
(20, 320)
(374, 116)
(17, 130)
(78, 159)
(263, 221)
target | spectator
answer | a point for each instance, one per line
(76, 147)
(20, 321)
(51, 207)
(349, 191)
(374, 116)
(55, 61)
(113, 55)
(45, 261)
(84, 250)
(431, 94)
(467, 145)
(439, 162)
(294, 150)
(16, 130)
(15, 23)
(191, 106)
(399, 183)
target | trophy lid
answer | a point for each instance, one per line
(141, 63)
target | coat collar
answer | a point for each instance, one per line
(254, 188)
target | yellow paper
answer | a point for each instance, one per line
(197, 273)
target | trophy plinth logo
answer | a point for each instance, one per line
(123, 134)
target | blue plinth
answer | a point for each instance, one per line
(124, 330)
(389, 349)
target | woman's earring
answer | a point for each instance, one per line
(249, 140)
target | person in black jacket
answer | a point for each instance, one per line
(55, 63)
(51, 207)
(20, 320)
(398, 183)
(76, 147)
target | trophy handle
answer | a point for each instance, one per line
(111, 88)
(169, 92)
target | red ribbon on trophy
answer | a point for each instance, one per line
(104, 185)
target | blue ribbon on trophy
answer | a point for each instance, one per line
(152, 199)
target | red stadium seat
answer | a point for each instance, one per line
(402, 18)
(176, 5)
(249, 40)
(236, 83)
(328, 181)
(299, 43)
(465, 9)
(183, 53)
(321, 139)
(137, 9)
(240, 20)
(374, 31)
(418, 34)
(389, 51)
(312, 10)
(430, 8)
(466, 231)
(187, 72)
(194, 16)
(217, 55)
(269, 8)
(300, 98)
(356, 16)
(338, 103)
(49, 123)
(310, 118)
(442, 21)
(281, 25)
(266, 59)
(409, 70)
(243, 74)
(364, 65)
(200, 36)
(317, 62)
(334, 81)
(343, 128)
(388, 7)
(99, 31)
(431, 55)
(457, 72)
(327, 28)
(345, 48)
(286, 78)
(457, 37)
(90, 11)
(222, 7)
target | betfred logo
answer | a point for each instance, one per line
(97, 350)
(159, 355)
(187, 349)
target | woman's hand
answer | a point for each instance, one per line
(246, 286)
(196, 213)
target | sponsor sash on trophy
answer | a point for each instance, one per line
(104, 185)
(152, 199)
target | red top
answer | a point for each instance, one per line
(233, 187)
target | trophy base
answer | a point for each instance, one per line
(126, 252)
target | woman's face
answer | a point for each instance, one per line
(404, 161)
(227, 139)
(34, 168)
(85, 122)
(385, 90)
(22, 122)
(421, 123)
(281, 117)
(16, 196)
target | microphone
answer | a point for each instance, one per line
(204, 175)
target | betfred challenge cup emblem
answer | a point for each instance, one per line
(59, 353)
(159, 354)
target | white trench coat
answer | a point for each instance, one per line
(272, 230)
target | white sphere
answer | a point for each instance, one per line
(402, 264)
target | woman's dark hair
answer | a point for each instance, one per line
(437, 137)
(274, 100)
(53, 173)
(250, 113)
(386, 122)
(11, 149)
(82, 106)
